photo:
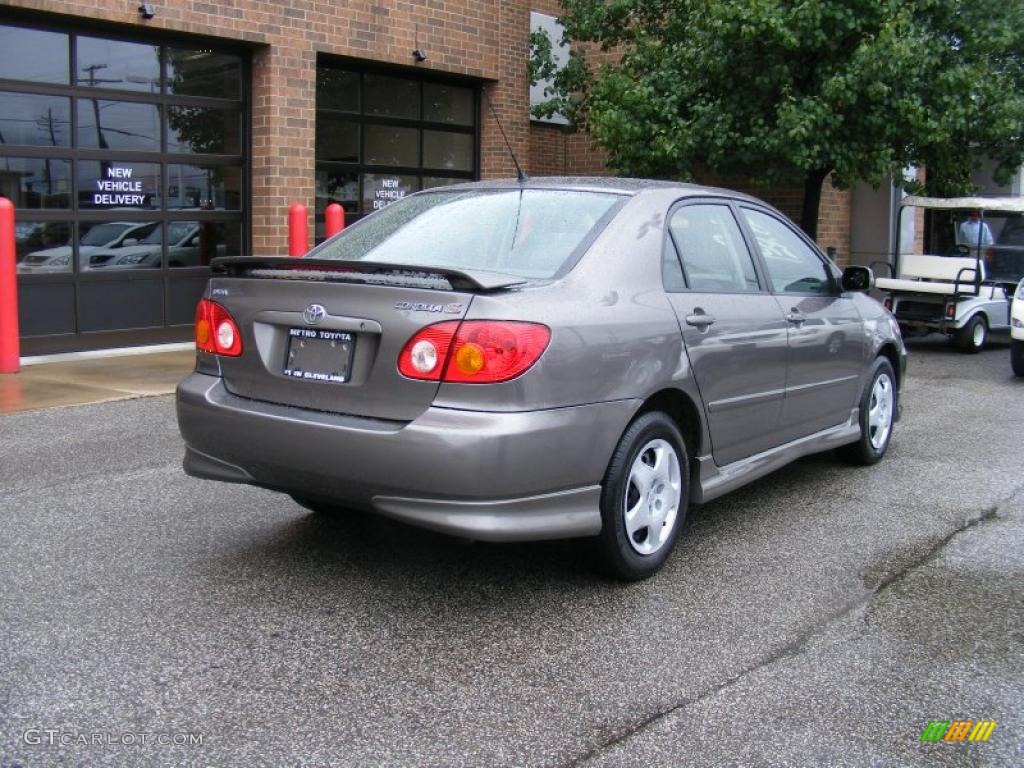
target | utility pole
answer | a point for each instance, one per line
(48, 124)
(92, 69)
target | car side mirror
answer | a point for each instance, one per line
(858, 279)
(128, 242)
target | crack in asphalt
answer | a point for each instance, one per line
(86, 480)
(801, 642)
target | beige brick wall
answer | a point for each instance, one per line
(547, 150)
(834, 220)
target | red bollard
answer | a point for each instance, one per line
(298, 230)
(334, 219)
(10, 350)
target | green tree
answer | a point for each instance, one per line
(790, 91)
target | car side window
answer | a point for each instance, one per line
(792, 265)
(712, 249)
(671, 269)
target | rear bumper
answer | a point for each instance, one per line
(487, 475)
(928, 313)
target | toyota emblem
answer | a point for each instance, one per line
(314, 314)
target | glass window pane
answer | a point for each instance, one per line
(116, 64)
(204, 130)
(336, 140)
(136, 251)
(36, 182)
(204, 72)
(337, 89)
(671, 269)
(43, 247)
(209, 187)
(118, 184)
(106, 124)
(380, 190)
(391, 96)
(337, 187)
(114, 243)
(531, 233)
(35, 121)
(388, 145)
(451, 151)
(448, 104)
(34, 55)
(714, 255)
(792, 265)
(196, 243)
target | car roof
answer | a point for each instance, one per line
(613, 184)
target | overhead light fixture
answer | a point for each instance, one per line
(420, 55)
(147, 11)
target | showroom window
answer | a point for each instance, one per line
(126, 160)
(382, 136)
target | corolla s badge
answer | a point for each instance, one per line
(417, 306)
(314, 313)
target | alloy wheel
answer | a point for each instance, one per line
(652, 496)
(880, 411)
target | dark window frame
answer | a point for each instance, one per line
(77, 215)
(752, 252)
(832, 282)
(362, 118)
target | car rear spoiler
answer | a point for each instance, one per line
(369, 272)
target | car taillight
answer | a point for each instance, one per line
(425, 354)
(887, 303)
(216, 330)
(473, 351)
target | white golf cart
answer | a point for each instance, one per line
(964, 293)
(1017, 331)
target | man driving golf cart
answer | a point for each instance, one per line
(963, 286)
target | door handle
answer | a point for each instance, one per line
(700, 319)
(797, 318)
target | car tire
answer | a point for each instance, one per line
(1017, 357)
(973, 336)
(647, 481)
(878, 407)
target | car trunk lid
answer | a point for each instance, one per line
(326, 335)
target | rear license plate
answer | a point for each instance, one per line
(319, 354)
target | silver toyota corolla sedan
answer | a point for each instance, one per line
(540, 359)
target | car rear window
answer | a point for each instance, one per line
(532, 233)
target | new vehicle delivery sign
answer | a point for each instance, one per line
(118, 188)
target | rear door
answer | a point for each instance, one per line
(826, 334)
(733, 329)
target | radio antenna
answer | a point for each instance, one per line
(522, 177)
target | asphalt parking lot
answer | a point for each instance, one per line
(822, 616)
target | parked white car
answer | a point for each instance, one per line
(1017, 331)
(101, 243)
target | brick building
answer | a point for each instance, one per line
(140, 141)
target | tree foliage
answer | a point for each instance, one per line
(789, 91)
